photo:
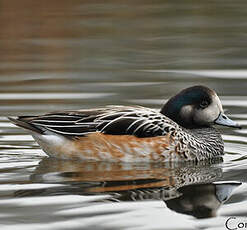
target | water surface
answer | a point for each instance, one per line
(78, 54)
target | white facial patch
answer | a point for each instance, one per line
(209, 114)
(218, 102)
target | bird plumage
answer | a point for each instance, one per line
(115, 120)
(181, 130)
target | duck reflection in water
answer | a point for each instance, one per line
(187, 187)
(201, 200)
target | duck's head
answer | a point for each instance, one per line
(197, 107)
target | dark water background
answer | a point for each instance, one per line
(78, 54)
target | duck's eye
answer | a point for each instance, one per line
(203, 104)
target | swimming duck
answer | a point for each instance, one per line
(182, 130)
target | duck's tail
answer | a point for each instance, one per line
(24, 122)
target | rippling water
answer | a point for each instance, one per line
(79, 54)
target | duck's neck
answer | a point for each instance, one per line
(171, 108)
(206, 142)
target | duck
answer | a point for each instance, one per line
(182, 130)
